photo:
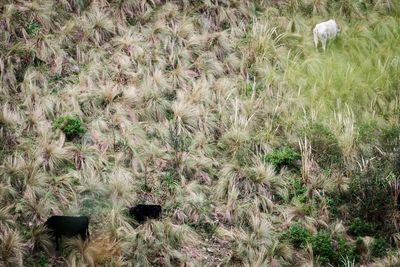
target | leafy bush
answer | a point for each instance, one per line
(367, 132)
(334, 201)
(324, 144)
(71, 126)
(370, 135)
(379, 248)
(346, 251)
(206, 227)
(299, 187)
(358, 227)
(33, 28)
(323, 247)
(297, 235)
(370, 194)
(390, 137)
(285, 156)
(299, 190)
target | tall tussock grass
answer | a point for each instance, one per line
(261, 149)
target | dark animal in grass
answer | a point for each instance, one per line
(142, 212)
(68, 226)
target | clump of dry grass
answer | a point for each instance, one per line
(12, 248)
(100, 250)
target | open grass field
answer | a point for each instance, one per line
(261, 149)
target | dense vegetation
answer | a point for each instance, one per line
(262, 150)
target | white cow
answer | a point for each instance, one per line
(324, 31)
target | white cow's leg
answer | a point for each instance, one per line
(315, 39)
(323, 41)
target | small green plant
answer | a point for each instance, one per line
(93, 205)
(170, 182)
(43, 261)
(334, 201)
(359, 227)
(299, 187)
(322, 246)
(204, 226)
(346, 251)
(169, 114)
(250, 87)
(225, 25)
(367, 132)
(242, 156)
(33, 28)
(71, 126)
(371, 197)
(144, 186)
(299, 190)
(285, 156)
(38, 259)
(390, 137)
(297, 235)
(179, 143)
(379, 248)
(81, 5)
(324, 144)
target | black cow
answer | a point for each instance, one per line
(68, 226)
(141, 212)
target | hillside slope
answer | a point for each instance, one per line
(262, 150)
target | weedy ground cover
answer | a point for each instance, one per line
(206, 108)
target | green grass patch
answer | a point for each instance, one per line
(33, 28)
(280, 157)
(379, 248)
(322, 245)
(324, 145)
(297, 235)
(71, 126)
(359, 227)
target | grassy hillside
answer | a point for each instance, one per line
(262, 150)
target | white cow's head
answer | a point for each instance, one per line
(337, 26)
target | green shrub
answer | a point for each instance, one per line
(93, 205)
(81, 5)
(358, 227)
(379, 248)
(370, 135)
(299, 190)
(207, 228)
(37, 259)
(170, 182)
(322, 246)
(324, 145)
(297, 235)
(390, 137)
(299, 187)
(169, 114)
(371, 197)
(346, 252)
(334, 201)
(33, 28)
(285, 156)
(71, 126)
(367, 132)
